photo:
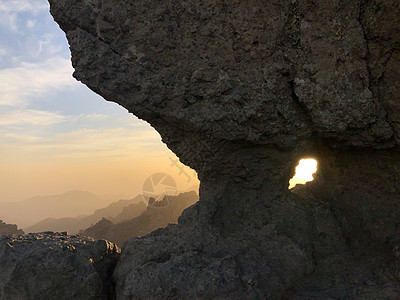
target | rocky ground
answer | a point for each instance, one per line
(56, 266)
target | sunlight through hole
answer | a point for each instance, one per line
(304, 172)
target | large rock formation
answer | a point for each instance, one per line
(240, 91)
(56, 266)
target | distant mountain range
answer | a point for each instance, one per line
(117, 211)
(157, 214)
(116, 222)
(32, 210)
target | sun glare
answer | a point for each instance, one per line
(304, 172)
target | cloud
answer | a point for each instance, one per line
(31, 23)
(47, 45)
(10, 137)
(9, 20)
(87, 144)
(10, 9)
(30, 80)
(95, 116)
(30, 117)
(23, 6)
(103, 139)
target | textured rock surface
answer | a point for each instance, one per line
(153, 218)
(334, 239)
(240, 91)
(56, 266)
(6, 229)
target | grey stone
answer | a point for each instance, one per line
(56, 266)
(240, 91)
(6, 229)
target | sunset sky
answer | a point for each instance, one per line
(55, 134)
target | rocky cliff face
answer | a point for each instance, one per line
(240, 91)
(6, 229)
(56, 266)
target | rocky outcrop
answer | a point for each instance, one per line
(157, 215)
(240, 91)
(324, 241)
(6, 229)
(56, 266)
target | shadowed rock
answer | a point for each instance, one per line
(240, 91)
(6, 229)
(56, 266)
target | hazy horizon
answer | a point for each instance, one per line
(107, 197)
(56, 135)
(69, 205)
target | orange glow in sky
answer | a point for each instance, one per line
(56, 135)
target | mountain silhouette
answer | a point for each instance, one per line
(73, 225)
(158, 214)
(69, 204)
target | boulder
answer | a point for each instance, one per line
(56, 266)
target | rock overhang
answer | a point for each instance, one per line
(240, 91)
(207, 73)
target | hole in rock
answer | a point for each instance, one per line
(304, 172)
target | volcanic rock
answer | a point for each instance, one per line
(6, 229)
(56, 266)
(240, 91)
